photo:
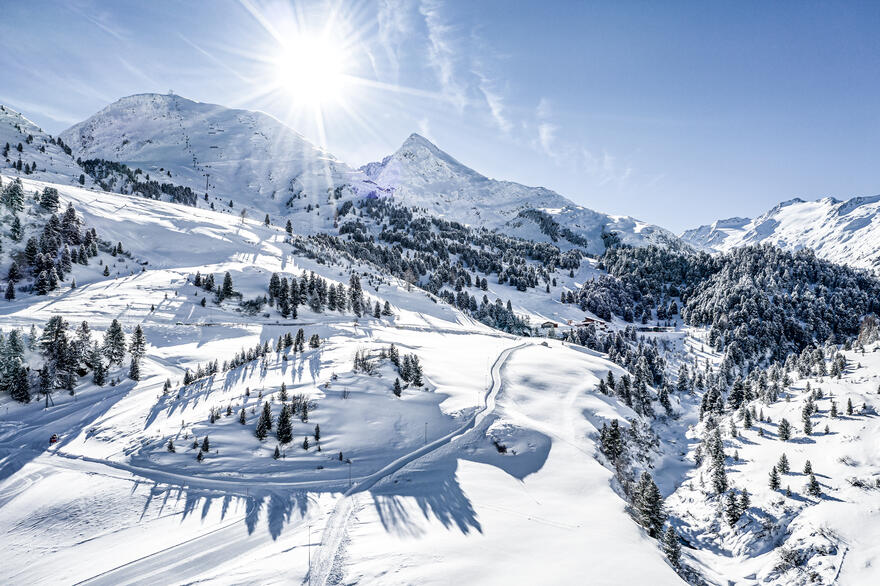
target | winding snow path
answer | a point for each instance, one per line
(334, 529)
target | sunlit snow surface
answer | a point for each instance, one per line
(111, 505)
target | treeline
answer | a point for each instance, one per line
(759, 302)
(119, 177)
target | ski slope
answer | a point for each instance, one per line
(109, 504)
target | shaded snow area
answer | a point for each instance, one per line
(487, 472)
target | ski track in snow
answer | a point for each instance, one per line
(335, 527)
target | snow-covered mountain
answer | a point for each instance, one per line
(248, 157)
(257, 161)
(842, 231)
(46, 159)
(421, 175)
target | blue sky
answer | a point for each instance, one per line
(675, 113)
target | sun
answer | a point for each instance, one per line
(312, 70)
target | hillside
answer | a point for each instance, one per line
(46, 158)
(435, 470)
(421, 175)
(243, 156)
(841, 231)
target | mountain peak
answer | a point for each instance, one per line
(416, 140)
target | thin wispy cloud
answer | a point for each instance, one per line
(442, 53)
(495, 102)
(603, 168)
(394, 26)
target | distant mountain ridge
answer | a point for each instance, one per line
(847, 231)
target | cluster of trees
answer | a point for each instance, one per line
(551, 227)
(497, 315)
(760, 303)
(46, 258)
(224, 291)
(434, 253)
(319, 294)
(283, 423)
(67, 355)
(618, 444)
(409, 368)
(638, 355)
(118, 177)
(245, 356)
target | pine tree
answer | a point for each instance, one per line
(96, 361)
(134, 370)
(264, 424)
(106, 272)
(813, 487)
(672, 547)
(833, 409)
(397, 389)
(849, 406)
(10, 291)
(305, 443)
(49, 199)
(137, 346)
(774, 479)
(784, 430)
(114, 343)
(648, 505)
(227, 290)
(317, 433)
(745, 501)
(206, 445)
(719, 479)
(277, 453)
(731, 509)
(200, 456)
(611, 442)
(783, 465)
(808, 467)
(282, 394)
(285, 427)
(241, 417)
(289, 228)
(171, 447)
(355, 295)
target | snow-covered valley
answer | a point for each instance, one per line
(411, 373)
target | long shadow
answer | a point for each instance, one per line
(439, 498)
(68, 420)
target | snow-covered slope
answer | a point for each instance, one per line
(248, 157)
(841, 231)
(110, 504)
(38, 150)
(420, 174)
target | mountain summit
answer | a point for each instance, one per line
(245, 156)
(420, 174)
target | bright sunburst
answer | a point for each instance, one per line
(311, 69)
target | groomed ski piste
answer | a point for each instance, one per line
(487, 473)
